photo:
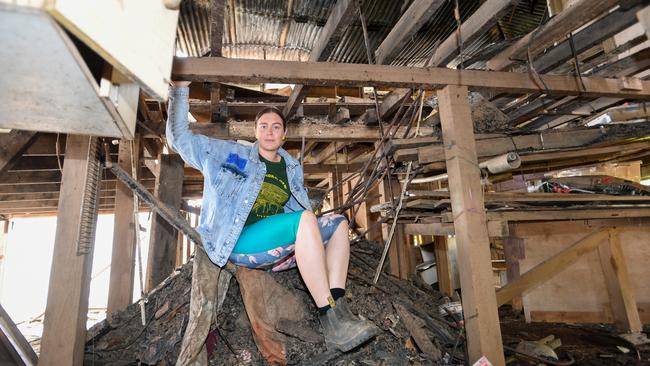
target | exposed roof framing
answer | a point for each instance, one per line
(322, 73)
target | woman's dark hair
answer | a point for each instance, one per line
(271, 110)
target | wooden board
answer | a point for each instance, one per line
(581, 287)
(479, 299)
(136, 37)
(54, 93)
(219, 69)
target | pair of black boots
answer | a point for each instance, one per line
(342, 329)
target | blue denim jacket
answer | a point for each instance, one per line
(233, 176)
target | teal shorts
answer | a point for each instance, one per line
(270, 243)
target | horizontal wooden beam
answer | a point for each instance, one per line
(540, 141)
(295, 132)
(547, 269)
(564, 214)
(496, 229)
(218, 69)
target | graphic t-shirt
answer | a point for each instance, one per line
(274, 194)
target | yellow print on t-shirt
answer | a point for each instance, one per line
(272, 197)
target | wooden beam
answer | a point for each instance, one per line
(392, 102)
(327, 152)
(621, 291)
(480, 22)
(20, 352)
(387, 188)
(64, 328)
(553, 31)
(564, 214)
(13, 145)
(296, 131)
(496, 229)
(213, 69)
(341, 16)
(479, 300)
(548, 268)
(644, 19)
(4, 235)
(589, 37)
(122, 273)
(418, 13)
(164, 238)
(443, 267)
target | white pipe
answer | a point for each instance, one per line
(499, 164)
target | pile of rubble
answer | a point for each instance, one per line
(407, 312)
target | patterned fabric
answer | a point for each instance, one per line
(283, 257)
(274, 194)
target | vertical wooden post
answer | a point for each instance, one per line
(120, 288)
(442, 265)
(514, 251)
(479, 298)
(621, 291)
(398, 236)
(216, 38)
(64, 330)
(164, 238)
(4, 233)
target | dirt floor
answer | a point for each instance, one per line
(413, 330)
(587, 345)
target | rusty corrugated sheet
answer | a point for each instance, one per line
(268, 29)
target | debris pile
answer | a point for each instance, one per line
(407, 312)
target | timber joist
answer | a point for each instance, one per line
(219, 69)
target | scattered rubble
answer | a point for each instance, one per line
(414, 332)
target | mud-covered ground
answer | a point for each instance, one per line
(125, 341)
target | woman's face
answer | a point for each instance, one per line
(269, 131)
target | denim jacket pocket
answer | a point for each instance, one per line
(228, 182)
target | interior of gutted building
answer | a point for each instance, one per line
(492, 158)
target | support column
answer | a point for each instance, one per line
(64, 330)
(442, 265)
(164, 238)
(4, 233)
(120, 288)
(619, 287)
(479, 298)
(395, 252)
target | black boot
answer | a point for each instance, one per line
(343, 330)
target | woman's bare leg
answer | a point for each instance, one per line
(337, 255)
(310, 258)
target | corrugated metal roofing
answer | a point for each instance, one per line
(268, 29)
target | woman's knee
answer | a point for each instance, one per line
(308, 219)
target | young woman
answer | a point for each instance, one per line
(256, 214)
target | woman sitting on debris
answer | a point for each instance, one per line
(256, 214)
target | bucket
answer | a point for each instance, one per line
(428, 272)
